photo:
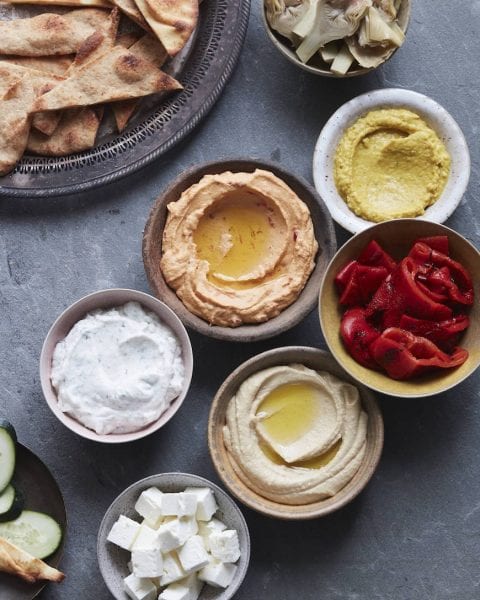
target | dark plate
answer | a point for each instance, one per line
(155, 129)
(41, 494)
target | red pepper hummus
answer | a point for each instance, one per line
(238, 247)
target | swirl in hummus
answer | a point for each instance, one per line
(238, 247)
(318, 460)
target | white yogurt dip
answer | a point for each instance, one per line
(118, 369)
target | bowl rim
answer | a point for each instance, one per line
(369, 403)
(430, 110)
(380, 390)
(46, 354)
(177, 475)
(292, 314)
(289, 54)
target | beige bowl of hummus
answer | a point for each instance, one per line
(294, 460)
(237, 248)
(116, 366)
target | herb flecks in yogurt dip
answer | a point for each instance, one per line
(118, 369)
(295, 435)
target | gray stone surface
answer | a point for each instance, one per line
(414, 532)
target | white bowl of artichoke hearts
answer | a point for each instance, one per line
(338, 38)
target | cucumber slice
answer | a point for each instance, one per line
(8, 441)
(11, 504)
(36, 533)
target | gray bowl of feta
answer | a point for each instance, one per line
(173, 536)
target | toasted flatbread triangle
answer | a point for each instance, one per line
(16, 561)
(129, 8)
(117, 75)
(14, 125)
(50, 34)
(41, 82)
(53, 65)
(79, 3)
(149, 48)
(76, 132)
(172, 22)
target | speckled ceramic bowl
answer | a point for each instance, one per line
(316, 65)
(73, 314)
(435, 115)
(113, 560)
(290, 316)
(319, 361)
(397, 237)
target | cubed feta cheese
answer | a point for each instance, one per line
(139, 589)
(181, 505)
(224, 545)
(147, 538)
(207, 505)
(205, 528)
(172, 569)
(147, 562)
(149, 504)
(154, 523)
(124, 532)
(187, 589)
(193, 555)
(218, 574)
(175, 533)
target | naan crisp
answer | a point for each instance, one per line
(122, 74)
(76, 132)
(50, 34)
(129, 8)
(17, 562)
(94, 46)
(172, 22)
(14, 125)
(149, 48)
(54, 65)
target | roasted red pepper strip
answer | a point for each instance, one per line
(343, 276)
(364, 282)
(358, 335)
(436, 242)
(373, 255)
(404, 355)
(443, 275)
(444, 334)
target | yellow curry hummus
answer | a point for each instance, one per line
(390, 164)
(238, 247)
(295, 435)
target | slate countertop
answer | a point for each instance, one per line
(414, 532)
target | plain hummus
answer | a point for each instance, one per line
(238, 247)
(390, 164)
(284, 472)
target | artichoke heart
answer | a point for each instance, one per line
(375, 30)
(332, 20)
(283, 15)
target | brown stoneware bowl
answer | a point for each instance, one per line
(316, 65)
(397, 237)
(319, 361)
(293, 314)
(108, 299)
